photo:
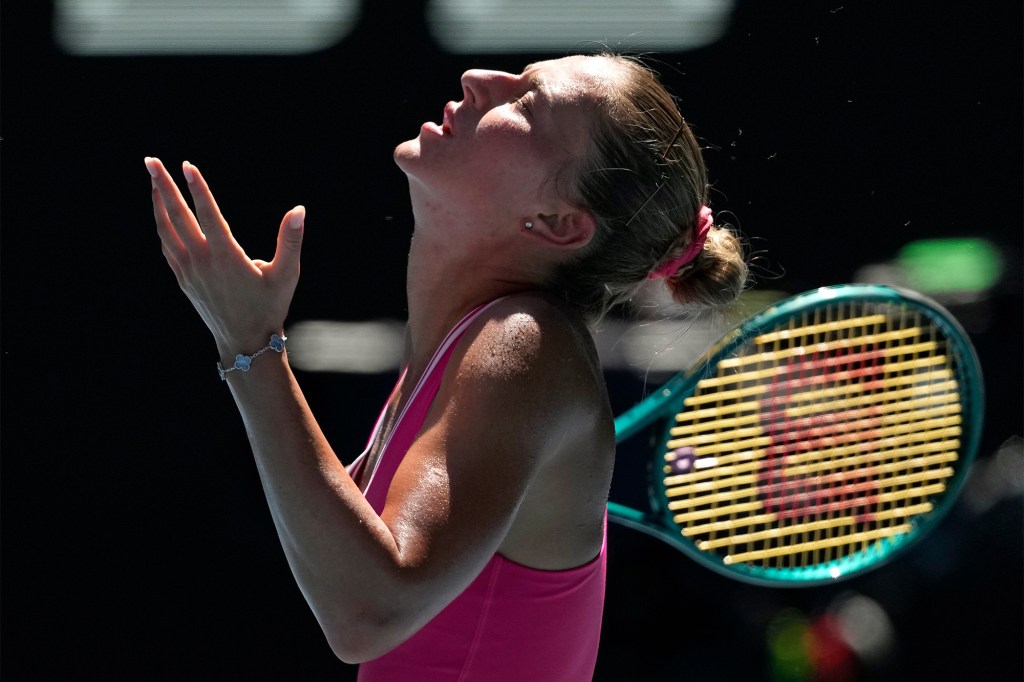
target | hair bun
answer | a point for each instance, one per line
(718, 274)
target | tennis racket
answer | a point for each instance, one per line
(816, 440)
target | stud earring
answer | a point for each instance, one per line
(529, 225)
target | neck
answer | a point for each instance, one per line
(459, 259)
(442, 286)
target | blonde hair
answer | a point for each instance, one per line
(644, 182)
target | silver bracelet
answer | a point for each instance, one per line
(243, 362)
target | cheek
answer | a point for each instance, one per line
(516, 181)
(503, 130)
(513, 159)
(516, 149)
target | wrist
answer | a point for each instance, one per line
(245, 360)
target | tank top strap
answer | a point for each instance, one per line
(412, 416)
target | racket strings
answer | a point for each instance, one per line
(818, 440)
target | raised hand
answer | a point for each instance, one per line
(241, 300)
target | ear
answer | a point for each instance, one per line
(570, 230)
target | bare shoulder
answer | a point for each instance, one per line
(530, 369)
(536, 360)
(528, 336)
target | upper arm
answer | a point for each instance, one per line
(491, 427)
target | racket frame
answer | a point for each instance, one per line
(668, 400)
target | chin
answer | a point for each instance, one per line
(407, 152)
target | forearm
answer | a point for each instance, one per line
(344, 558)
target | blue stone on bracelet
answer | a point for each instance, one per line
(277, 343)
(243, 362)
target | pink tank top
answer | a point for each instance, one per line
(513, 623)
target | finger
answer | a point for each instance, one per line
(172, 248)
(168, 237)
(180, 216)
(211, 221)
(289, 242)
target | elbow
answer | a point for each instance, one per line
(351, 648)
(362, 624)
(347, 651)
(364, 638)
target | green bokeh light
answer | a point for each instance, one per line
(949, 265)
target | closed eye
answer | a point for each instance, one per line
(521, 103)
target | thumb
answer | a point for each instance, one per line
(289, 241)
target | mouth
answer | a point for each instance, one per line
(446, 122)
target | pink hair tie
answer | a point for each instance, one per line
(671, 267)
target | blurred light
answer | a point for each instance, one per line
(950, 265)
(353, 347)
(486, 26)
(133, 27)
(654, 301)
(831, 655)
(996, 478)
(864, 626)
(652, 349)
(675, 341)
(376, 345)
(789, 659)
(657, 348)
(1010, 463)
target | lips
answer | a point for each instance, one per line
(449, 114)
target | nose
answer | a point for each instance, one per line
(482, 89)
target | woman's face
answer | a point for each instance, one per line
(501, 147)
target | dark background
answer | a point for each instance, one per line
(136, 542)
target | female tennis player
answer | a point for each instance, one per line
(468, 541)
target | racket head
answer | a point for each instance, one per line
(820, 438)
